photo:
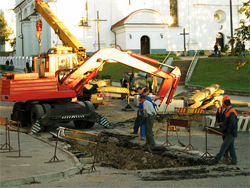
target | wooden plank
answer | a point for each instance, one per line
(214, 130)
(2, 121)
(179, 122)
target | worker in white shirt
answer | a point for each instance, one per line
(149, 113)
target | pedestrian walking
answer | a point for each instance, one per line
(219, 50)
(229, 130)
(215, 49)
(243, 50)
(149, 113)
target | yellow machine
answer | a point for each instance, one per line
(68, 39)
(62, 59)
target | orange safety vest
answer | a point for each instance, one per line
(229, 111)
(219, 109)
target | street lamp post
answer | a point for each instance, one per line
(231, 24)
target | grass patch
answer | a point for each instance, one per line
(116, 70)
(221, 71)
(161, 57)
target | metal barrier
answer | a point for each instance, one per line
(181, 123)
(243, 122)
(210, 130)
(61, 132)
(8, 123)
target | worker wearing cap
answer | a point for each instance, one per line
(149, 113)
(220, 117)
(220, 113)
(229, 130)
(138, 117)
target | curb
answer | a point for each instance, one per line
(46, 177)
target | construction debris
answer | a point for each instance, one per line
(208, 98)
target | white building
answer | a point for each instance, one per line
(143, 26)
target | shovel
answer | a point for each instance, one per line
(179, 138)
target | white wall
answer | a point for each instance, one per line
(196, 16)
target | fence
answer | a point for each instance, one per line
(243, 122)
(18, 62)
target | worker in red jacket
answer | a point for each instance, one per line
(229, 130)
(220, 117)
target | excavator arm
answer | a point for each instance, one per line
(79, 77)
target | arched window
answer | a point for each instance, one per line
(174, 12)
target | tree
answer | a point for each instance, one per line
(5, 30)
(242, 33)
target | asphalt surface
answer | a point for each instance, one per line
(28, 163)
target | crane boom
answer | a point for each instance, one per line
(61, 30)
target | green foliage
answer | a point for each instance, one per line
(241, 63)
(115, 71)
(242, 33)
(225, 49)
(212, 55)
(4, 54)
(7, 67)
(202, 52)
(12, 42)
(245, 9)
(222, 72)
(5, 30)
(162, 56)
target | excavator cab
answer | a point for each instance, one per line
(56, 62)
(60, 50)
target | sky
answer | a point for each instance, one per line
(7, 4)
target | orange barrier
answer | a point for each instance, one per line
(190, 110)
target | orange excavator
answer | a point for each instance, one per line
(45, 96)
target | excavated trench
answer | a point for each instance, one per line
(118, 151)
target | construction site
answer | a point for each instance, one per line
(178, 155)
(62, 127)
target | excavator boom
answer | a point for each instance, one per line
(77, 79)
